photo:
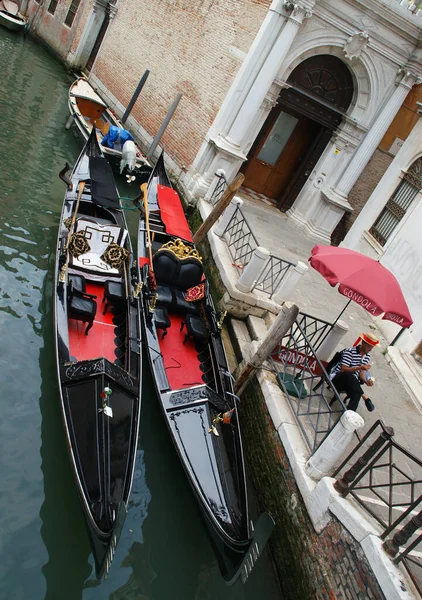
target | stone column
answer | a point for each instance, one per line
(253, 269)
(289, 282)
(329, 345)
(229, 136)
(375, 135)
(267, 73)
(222, 224)
(79, 58)
(329, 453)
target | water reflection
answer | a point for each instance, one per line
(63, 528)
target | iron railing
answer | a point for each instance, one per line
(316, 330)
(314, 400)
(219, 188)
(240, 240)
(272, 275)
(386, 479)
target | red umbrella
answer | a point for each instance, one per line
(363, 280)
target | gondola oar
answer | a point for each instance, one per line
(151, 275)
(69, 235)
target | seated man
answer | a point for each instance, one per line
(353, 370)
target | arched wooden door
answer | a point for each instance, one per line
(298, 129)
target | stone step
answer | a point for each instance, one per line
(414, 366)
(411, 382)
(257, 327)
(240, 337)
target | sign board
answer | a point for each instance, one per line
(300, 360)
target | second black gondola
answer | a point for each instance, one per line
(191, 373)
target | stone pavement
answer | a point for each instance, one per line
(314, 296)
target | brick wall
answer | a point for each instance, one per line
(326, 566)
(185, 44)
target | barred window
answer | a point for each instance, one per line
(71, 13)
(52, 6)
(398, 204)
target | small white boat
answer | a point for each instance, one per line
(87, 109)
(10, 16)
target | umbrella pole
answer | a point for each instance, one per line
(342, 311)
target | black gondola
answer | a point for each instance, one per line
(183, 340)
(97, 332)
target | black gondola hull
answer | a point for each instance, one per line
(193, 382)
(99, 371)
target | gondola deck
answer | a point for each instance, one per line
(101, 339)
(181, 362)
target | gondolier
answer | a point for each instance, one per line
(353, 370)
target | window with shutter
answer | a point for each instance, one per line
(52, 6)
(398, 204)
(71, 13)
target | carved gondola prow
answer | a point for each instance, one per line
(64, 177)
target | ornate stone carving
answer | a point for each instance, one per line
(355, 44)
(409, 78)
(299, 11)
(268, 103)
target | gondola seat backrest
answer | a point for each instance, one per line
(166, 267)
(179, 273)
(99, 237)
(174, 276)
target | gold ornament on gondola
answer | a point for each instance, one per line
(215, 421)
(153, 302)
(138, 289)
(180, 249)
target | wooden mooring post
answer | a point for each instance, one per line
(284, 320)
(219, 208)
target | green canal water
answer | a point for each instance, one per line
(163, 553)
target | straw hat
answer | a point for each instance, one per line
(369, 338)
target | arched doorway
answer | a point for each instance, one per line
(298, 128)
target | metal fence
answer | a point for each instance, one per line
(241, 243)
(314, 400)
(219, 188)
(386, 480)
(316, 330)
(272, 275)
(240, 240)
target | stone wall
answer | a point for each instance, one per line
(362, 190)
(51, 27)
(326, 566)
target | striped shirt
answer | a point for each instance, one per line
(352, 357)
